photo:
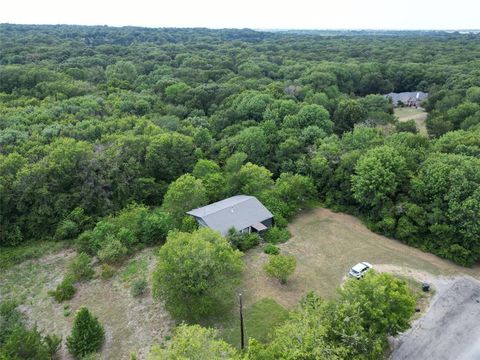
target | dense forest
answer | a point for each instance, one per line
(109, 135)
(101, 126)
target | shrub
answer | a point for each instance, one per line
(155, 227)
(271, 249)
(139, 287)
(107, 271)
(81, 267)
(189, 224)
(112, 250)
(407, 126)
(280, 267)
(53, 343)
(25, 344)
(242, 241)
(10, 318)
(248, 241)
(84, 243)
(275, 235)
(67, 229)
(194, 342)
(87, 334)
(65, 290)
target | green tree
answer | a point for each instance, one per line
(194, 342)
(87, 334)
(280, 267)
(385, 303)
(253, 142)
(24, 344)
(348, 113)
(378, 176)
(121, 74)
(196, 274)
(252, 180)
(170, 155)
(184, 194)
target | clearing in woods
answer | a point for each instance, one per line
(325, 244)
(418, 115)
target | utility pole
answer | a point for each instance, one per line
(242, 334)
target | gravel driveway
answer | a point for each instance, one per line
(450, 330)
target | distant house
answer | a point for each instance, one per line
(242, 212)
(411, 99)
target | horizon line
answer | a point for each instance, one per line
(249, 28)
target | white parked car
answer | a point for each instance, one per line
(360, 269)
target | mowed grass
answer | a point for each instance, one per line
(260, 319)
(410, 113)
(326, 245)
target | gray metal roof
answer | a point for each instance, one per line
(239, 211)
(407, 96)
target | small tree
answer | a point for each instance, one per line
(183, 194)
(280, 267)
(194, 342)
(80, 268)
(87, 334)
(196, 273)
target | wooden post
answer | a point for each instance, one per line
(242, 334)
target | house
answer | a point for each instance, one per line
(242, 212)
(411, 99)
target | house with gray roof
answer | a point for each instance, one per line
(242, 212)
(413, 99)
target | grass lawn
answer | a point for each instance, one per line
(326, 245)
(259, 321)
(10, 256)
(418, 115)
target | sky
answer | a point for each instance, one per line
(256, 14)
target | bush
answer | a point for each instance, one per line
(65, 290)
(271, 249)
(84, 243)
(25, 344)
(139, 287)
(87, 334)
(242, 241)
(194, 342)
(67, 229)
(248, 241)
(112, 250)
(155, 227)
(280, 267)
(107, 271)
(458, 254)
(53, 343)
(407, 126)
(275, 235)
(81, 267)
(189, 224)
(10, 318)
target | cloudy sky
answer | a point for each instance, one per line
(289, 14)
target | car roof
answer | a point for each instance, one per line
(359, 267)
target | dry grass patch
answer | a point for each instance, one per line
(131, 324)
(326, 245)
(418, 115)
